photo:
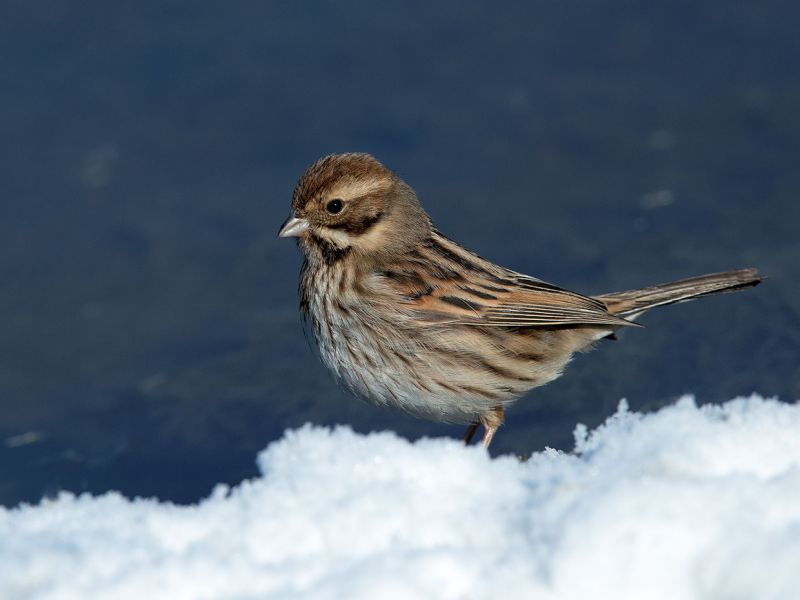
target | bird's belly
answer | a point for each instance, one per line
(405, 382)
(442, 382)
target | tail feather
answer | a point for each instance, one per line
(631, 303)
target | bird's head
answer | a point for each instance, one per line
(351, 203)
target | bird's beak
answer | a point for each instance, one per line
(292, 227)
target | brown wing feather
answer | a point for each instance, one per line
(443, 282)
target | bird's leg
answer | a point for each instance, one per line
(473, 427)
(491, 423)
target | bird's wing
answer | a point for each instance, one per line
(440, 282)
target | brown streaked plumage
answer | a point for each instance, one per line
(408, 318)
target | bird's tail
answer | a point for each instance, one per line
(631, 303)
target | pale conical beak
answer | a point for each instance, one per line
(292, 227)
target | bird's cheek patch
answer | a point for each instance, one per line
(374, 238)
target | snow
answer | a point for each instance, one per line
(684, 503)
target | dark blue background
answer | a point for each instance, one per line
(149, 337)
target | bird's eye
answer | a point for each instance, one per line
(335, 206)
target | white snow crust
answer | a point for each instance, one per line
(688, 502)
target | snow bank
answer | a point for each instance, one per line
(685, 503)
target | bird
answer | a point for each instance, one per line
(407, 318)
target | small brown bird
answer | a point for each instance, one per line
(407, 318)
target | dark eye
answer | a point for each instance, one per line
(335, 206)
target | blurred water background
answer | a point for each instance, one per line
(149, 335)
